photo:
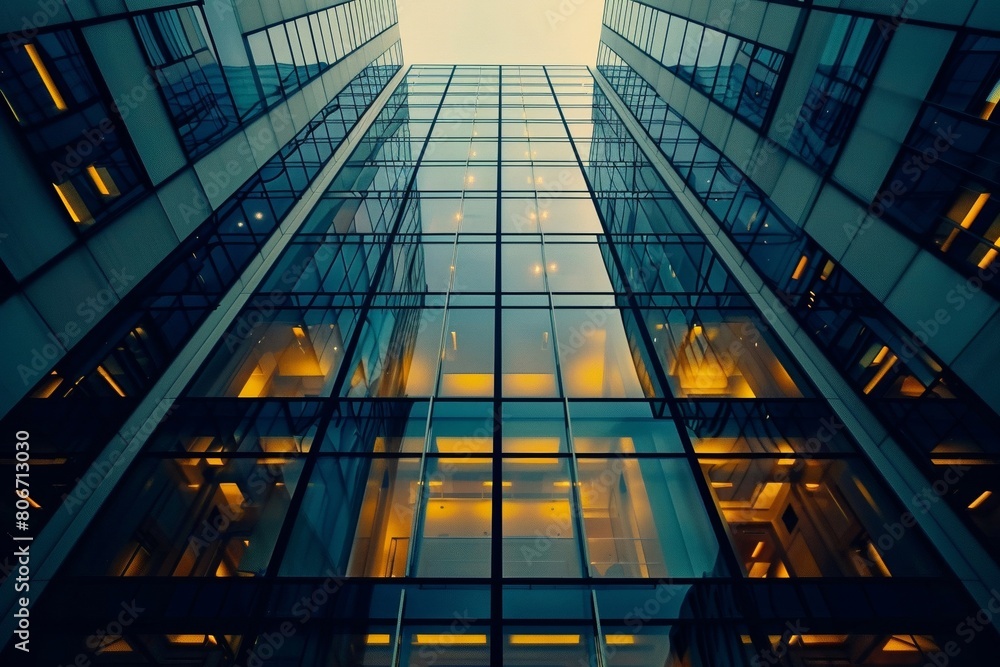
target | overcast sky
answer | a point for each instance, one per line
(509, 32)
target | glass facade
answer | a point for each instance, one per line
(942, 189)
(928, 409)
(850, 56)
(738, 74)
(101, 380)
(506, 407)
(288, 55)
(70, 125)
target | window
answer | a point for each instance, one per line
(193, 84)
(852, 51)
(76, 137)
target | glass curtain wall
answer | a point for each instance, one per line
(506, 407)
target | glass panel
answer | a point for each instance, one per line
(794, 517)
(292, 353)
(539, 530)
(467, 358)
(594, 355)
(529, 367)
(644, 518)
(455, 525)
(193, 517)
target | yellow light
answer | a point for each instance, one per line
(757, 550)
(880, 357)
(11, 107)
(786, 462)
(812, 486)
(443, 639)
(827, 269)
(988, 258)
(800, 268)
(110, 380)
(103, 181)
(882, 372)
(43, 72)
(983, 497)
(619, 640)
(186, 639)
(232, 493)
(435, 483)
(258, 215)
(562, 484)
(298, 331)
(967, 219)
(505, 485)
(544, 640)
(722, 485)
(215, 462)
(71, 199)
(377, 640)
(991, 102)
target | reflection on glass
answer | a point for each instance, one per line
(294, 353)
(455, 522)
(529, 366)
(622, 429)
(382, 539)
(193, 517)
(398, 354)
(643, 518)
(539, 526)
(594, 355)
(713, 354)
(793, 517)
(467, 357)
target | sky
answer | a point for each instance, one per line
(509, 32)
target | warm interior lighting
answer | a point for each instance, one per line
(71, 199)
(186, 639)
(827, 269)
(232, 493)
(435, 483)
(103, 181)
(445, 639)
(882, 372)
(812, 640)
(812, 486)
(875, 557)
(506, 485)
(377, 639)
(110, 380)
(544, 640)
(988, 258)
(800, 268)
(983, 497)
(722, 485)
(991, 102)
(619, 640)
(757, 550)
(47, 81)
(898, 643)
(562, 484)
(964, 213)
(880, 357)
(298, 331)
